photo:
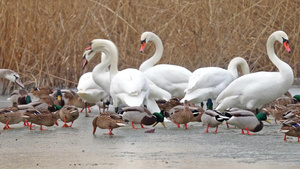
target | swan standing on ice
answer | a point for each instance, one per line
(209, 82)
(171, 78)
(253, 90)
(129, 86)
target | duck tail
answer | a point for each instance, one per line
(121, 124)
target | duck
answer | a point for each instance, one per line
(209, 82)
(20, 96)
(141, 115)
(181, 115)
(276, 111)
(129, 86)
(167, 105)
(291, 127)
(41, 117)
(74, 99)
(41, 91)
(246, 120)
(68, 113)
(11, 115)
(212, 118)
(108, 120)
(253, 90)
(12, 76)
(171, 78)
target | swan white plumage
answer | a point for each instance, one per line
(129, 86)
(89, 91)
(100, 73)
(209, 82)
(171, 78)
(253, 90)
(12, 76)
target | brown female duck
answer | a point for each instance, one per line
(108, 120)
(291, 127)
(41, 117)
(68, 113)
(181, 115)
(11, 115)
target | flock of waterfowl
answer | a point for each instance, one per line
(148, 95)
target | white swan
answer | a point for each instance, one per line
(209, 82)
(100, 73)
(171, 78)
(12, 76)
(89, 91)
(129, 86)
(253, 90)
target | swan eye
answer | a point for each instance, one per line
(143, 41)
(285, 40)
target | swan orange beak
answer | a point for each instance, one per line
(143, 45)
(88, 48)
(85, 62)
(286, 45)
(18, 81)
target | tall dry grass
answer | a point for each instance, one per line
(44, 40)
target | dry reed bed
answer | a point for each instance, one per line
(44, 40)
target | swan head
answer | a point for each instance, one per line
(282, 37)
(14, 77)
(146, 37)
(96, 46)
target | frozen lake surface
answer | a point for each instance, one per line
(169, 147)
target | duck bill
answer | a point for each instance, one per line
(163, 123)
(268, 121)
(154, 124)
(59, 97)
(18, 81)
(287, 47)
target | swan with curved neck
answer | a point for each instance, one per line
(12, 76)
(171, 78)
(128, 86)
(209, 82)
(253, 90)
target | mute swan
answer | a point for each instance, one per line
(209, 82)
(129, 86)
(12, 76)
(171, 78)
(101, 77)
(89, 91)
(253, 90)
(100, 73)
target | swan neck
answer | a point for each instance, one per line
(157, 55)
(233, 66)
(284, 69)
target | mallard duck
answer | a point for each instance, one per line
(55, 101)
(168, 105)
(108, 121)
(247, 120)
(20, 96)
(42, 91)
(291, 127)
(181, 115)
(276, 111)
(74, 99)
(141, 115)
(12, 76)
(68, 113)
(212, 118)
(11, 115)
(41, 117)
